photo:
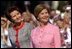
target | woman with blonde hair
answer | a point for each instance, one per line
(45, 35)
(5, 41)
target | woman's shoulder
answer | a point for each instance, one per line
(30, 26)
(34, 30)
(53, 26)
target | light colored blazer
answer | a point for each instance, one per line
(23, 35)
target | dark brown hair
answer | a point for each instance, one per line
(9, 10)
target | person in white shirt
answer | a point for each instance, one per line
(5, 42)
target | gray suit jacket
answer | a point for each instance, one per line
(23, 35)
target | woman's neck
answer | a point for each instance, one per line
(42, 24)
(18, 25)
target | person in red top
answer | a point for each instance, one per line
(20, 30)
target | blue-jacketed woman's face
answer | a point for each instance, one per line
(16, 16)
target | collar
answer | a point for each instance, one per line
(19, 27)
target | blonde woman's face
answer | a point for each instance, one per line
(43, 16)
(26, 17)
(3, 22)
(60, 23)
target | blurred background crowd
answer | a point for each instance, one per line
(60, 15)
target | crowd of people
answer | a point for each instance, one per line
(46, 28)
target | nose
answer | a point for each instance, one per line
(18, 16)
(46, 15)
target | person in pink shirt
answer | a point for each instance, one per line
(45, 35)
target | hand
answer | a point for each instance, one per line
(5, 23)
